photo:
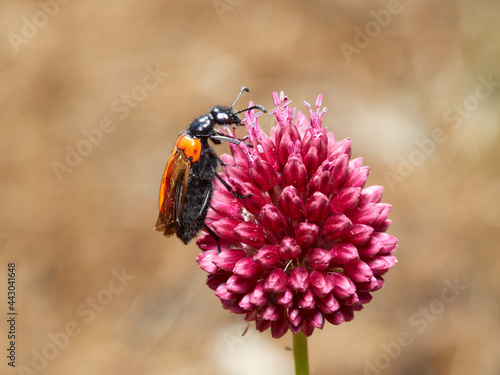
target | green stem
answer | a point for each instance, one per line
(300, 354)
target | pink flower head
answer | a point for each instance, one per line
(309, 245)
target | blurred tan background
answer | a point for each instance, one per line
(414, 84)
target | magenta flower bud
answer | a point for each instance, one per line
(351, 300)
(309, 246)
(295, 174)
(380, 264)
(306, 234)
(306, 300)
(345, 200)
(355, 163)
(357, 177)
(271, 218)
(289, 248)
(379, 223)
(336, 226)
(248, 268)
(227, 159)
(358, 271)
(370, 248)
(291, 203)
(245, 303)
(322, 182)
(299, 279)
(359, 234)
(294, 316)
(223, 293)
(339, 171)
(315, 319)
(288, 135)
(366, 213)
(267, 154)
(283, 140)
(388, 242)
(279, 327)
(259, 296)
(272, 312)
(317, 207)
(328, 304)
(321, 283)
(345, 314)
(260, 324)
(216, 279)
(314, 151)
(337, 149)
(373, 285)
(205, 260)
(372, 194)
(276, 281)
(226, 207)
(344, 252)
(238, 284)
(344, 287)
(254, 203)
(225, 227)
(263, 174)
(318, 258)
(286, 298)
(227, 259)
(268, 256)
(382, 227)
(236, 172)
(235, 309)
(250, 234)
(312, 160)
(239, 155)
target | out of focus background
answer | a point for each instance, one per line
(93, 95)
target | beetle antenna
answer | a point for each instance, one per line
(253, 107)
(244, 88)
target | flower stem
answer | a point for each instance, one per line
(300, 354)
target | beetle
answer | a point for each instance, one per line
(187, 185)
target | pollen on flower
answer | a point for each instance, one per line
(309, 245)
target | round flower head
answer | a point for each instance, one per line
(309, 245)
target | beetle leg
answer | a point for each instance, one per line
(214, 236)
(228, 187)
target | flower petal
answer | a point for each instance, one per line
(306, 234)
(321, 283)
(291, 203)
(289, 248)
(299, 279)
(250, 233)
(295, 174)
(336, 226)
(318, 258)
(271, 218)
(248, 268)
(268, 256)
(317, 207)
(276, 281)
